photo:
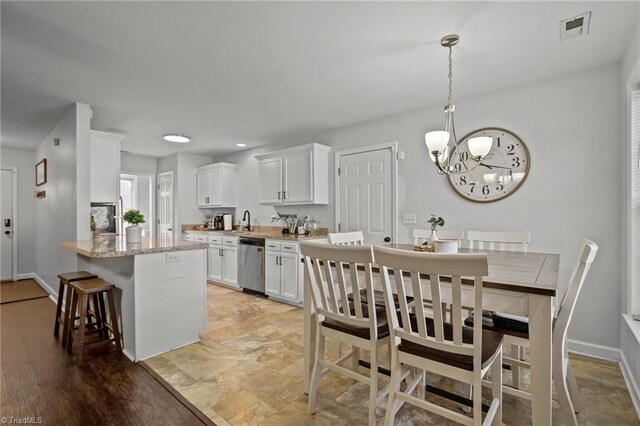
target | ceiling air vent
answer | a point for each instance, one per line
(577, 26)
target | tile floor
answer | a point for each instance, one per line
(247, 370)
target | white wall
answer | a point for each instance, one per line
(133, 163)
(63, 214)
(23, 160)
(571, 126)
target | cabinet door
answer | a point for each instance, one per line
(215, 199)
(272, 273)
(215, 263)
(298, 178)
(230, 266)
(289, 280)
(204, 187)
(104, 170)
(270, 177)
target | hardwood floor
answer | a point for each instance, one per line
(39, 380)
(15, 291)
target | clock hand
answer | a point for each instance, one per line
(493, 165)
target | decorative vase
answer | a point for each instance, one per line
(433, 237)
(134, 234)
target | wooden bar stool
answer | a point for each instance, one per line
(94, 290)
(65, 280)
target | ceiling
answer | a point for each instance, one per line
(259, 72)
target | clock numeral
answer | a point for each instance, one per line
(463, 180)
(473, 185)
(485, 190)
(516, 162)
(457, 167)
(464, 156)
(511, 149)
(498, 141)
(500, 187)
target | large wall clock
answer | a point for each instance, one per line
(497, 175)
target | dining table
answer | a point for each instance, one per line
(518, 283)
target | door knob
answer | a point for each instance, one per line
(7, 232)
(387, 239)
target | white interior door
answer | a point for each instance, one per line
(6, 214)
(366, 194)
(165, 205)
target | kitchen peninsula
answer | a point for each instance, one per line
(160, 289)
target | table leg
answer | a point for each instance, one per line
(540, 338)
(309, 331)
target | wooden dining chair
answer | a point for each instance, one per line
(421, 235)
(516, 332)
(355, 238)
(490, 240)
(347, 320)
(428, 343)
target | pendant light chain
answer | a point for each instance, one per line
(450, 74)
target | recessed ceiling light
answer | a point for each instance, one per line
(176, 138)
(241, 145)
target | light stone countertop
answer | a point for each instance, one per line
(266, 232)
(116, 246)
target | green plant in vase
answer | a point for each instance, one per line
(435, 222)
(134, 232)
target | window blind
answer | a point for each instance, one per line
(635, 201)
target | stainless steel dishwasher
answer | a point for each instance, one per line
(251, 264)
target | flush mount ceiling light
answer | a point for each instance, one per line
(442, 144)
(241, 145)
(171, 137)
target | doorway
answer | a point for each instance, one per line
(137, 192)
(165, 205)
(9, 215)
(366, 192)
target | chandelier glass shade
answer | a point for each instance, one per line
(442, 144)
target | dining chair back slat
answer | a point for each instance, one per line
(421, 235)
(421, 265)
(330, 293)
(489, 240)
(355, 238)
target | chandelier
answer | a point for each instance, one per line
(442, 144)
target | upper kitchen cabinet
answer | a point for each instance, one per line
(104, 167)
(217, 185)
(297, 175)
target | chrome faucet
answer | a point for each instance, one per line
(244, 217)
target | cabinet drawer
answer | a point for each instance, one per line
(215, 239)
(200, 238)
(271, 245)
(288, 247)
(187, 237)
(230, 241)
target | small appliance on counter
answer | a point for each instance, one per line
(227, 222)
(218, 222)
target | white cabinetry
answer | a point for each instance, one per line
(223, 260)
(104, 167)
(217, 185)
(283, 276)
(297, 175)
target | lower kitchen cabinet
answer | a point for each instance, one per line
(283, 272)
(223, 260)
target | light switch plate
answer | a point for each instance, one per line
(172, 257)
(409, 218)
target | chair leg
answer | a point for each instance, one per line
(67, 317)
(496, 387)
(355, 359)
(317, 371)
(56, 324)
(515, 369)
(575, 390)
(71, 321)
(113, 320)
(84, 302)
(562, 391)
(394, 386)
(477, 399)
(421, 390)
(373, 386)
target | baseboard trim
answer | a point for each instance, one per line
(632, 386)
(593, 350)
(53, 294)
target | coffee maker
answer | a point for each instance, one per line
(218, 222)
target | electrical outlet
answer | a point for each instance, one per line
(409, 218)
(172, 257)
